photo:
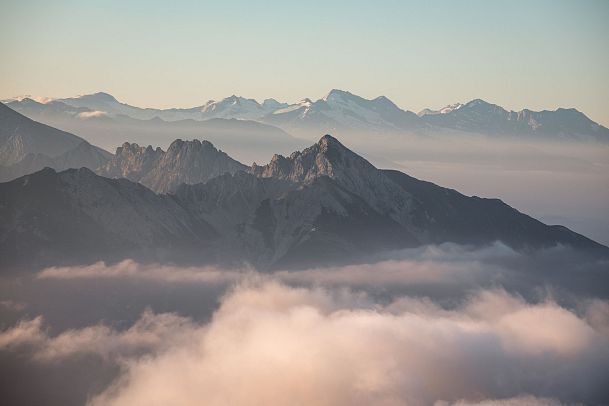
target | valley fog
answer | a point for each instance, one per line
(204, 332)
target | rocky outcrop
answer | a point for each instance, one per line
(187, 162)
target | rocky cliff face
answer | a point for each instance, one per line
(187, 162)
(132, 162)
(330, 158)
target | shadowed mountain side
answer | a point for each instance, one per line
(277, 223)
(20, 136)
(84, 155)
(446, 215)
(76, 216)
(323, 205)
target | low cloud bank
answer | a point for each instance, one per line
(434, 270)
(269, 343)
(150, 334)
(448, 264)
(134, 270)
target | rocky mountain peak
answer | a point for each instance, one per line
(190, 162)
(328, 141)
(335, 94)
(194, 146)
(320, 159)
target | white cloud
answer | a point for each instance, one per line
(155, 272)
(272, 344)
(321, 343)
(92, 114)
(151, 333)
(448, 264)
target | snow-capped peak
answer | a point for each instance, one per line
(444, 110)
(233, 107)
(451, 107)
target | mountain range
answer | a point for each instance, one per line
(322, 205)
(27, 146)
(109, 128)
(338, 112)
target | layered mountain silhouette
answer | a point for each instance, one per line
(76, 216)
(339, 111)
(20, 136)
(252, 140)
(324, 204)
(83, 155)
(27, 146)
(230, 107)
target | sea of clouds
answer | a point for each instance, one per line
(438, 326)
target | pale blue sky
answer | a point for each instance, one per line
(536, 54)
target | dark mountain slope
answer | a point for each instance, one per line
(323, 205)
(76, 216)
(20, 136)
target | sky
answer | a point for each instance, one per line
(533, 54)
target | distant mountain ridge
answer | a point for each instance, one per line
(342, 111)
(84, 155)
(230, 107)
(110, 128)
(27, 146)
(322, 205)
(482, 117)
(20, 136)
(163, 171)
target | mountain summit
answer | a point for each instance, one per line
(343, 111)
(163, 171)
